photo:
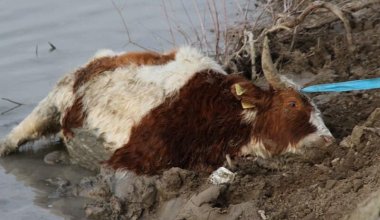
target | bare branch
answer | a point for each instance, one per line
(169, 23)
(204, 34)
(126, 28)
(215, 19)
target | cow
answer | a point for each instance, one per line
(178, 109)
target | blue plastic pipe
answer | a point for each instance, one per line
(364, 84)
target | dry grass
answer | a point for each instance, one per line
(233, 40)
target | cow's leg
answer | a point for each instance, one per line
(43, 120)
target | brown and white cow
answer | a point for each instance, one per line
(180, 109)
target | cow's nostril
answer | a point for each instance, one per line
(328, 139)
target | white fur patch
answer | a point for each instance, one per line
(104, 53)
(316, 120)
(255, 147)
(175, 74)
(249, 116)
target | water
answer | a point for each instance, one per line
(77, 29)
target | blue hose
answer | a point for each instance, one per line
(364, 84)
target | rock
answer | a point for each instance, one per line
(369, 209)
(358, 184)
(355, 137)
(222, 176)
(330, 184)
(372, 122)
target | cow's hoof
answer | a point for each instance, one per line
(5, 148)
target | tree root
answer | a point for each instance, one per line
(248, 43)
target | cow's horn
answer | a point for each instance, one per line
(270, 72)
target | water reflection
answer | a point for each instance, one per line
(28, 168)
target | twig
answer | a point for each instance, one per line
(14, 102)
(246, 11)
(126, 28)
(293, 39)
(204, 35)
(316, 5)
(18, 104)
(169, 23)
(225, 27)
(52, 47)
(252, 53)
(239, 6)
(298, 5)
(194, 29)
(260, 15)
(294, 22)
(36, 51)
(215, 19)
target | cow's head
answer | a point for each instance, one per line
(283, 119)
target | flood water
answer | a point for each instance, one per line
(29, 69)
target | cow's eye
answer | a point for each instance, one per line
(292, 104)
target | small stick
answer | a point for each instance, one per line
(36, 50)
(126, 28)
(52, 47)
(14, 102)
(18, 104)
(294, 39)
(230, 162)
(215, 19)
(169, 23)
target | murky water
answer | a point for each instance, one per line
(77, 29)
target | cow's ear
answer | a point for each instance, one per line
(241, 93)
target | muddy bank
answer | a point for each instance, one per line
(322, 184)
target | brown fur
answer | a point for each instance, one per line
(74, 116)
(99, 65)
(193, 130)
(198, 127)
(282, 123)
